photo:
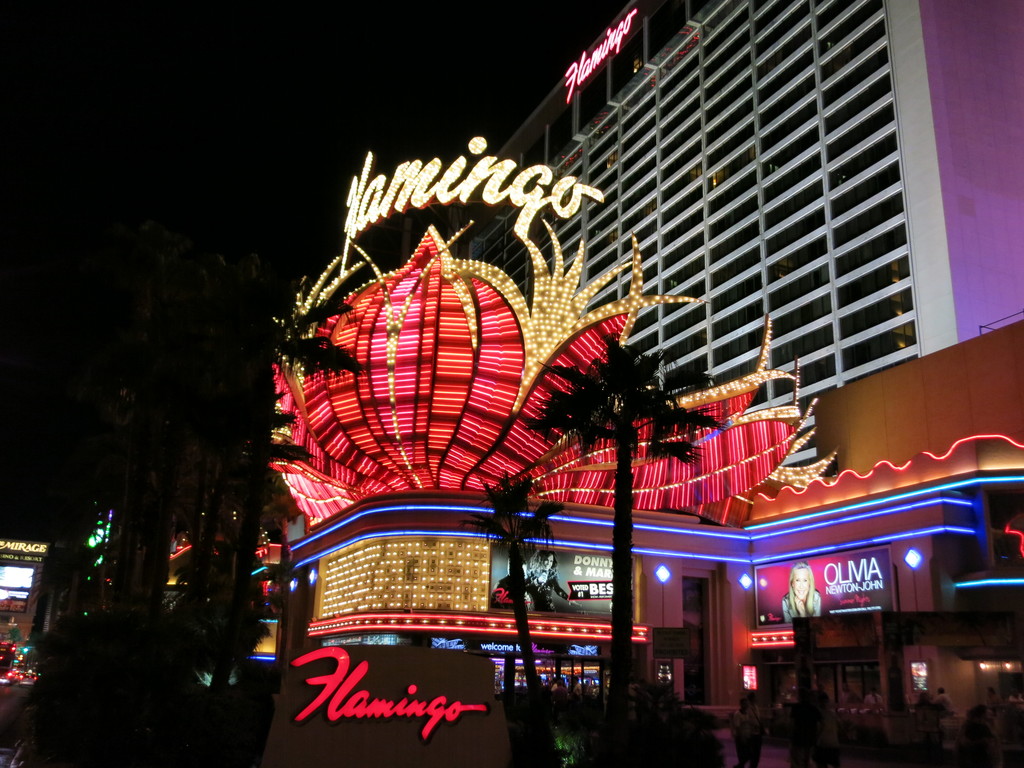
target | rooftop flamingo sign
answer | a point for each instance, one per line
(580, 71)
(454, 358)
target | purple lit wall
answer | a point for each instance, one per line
(975, 60)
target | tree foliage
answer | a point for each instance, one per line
(517, 524)
(618, 399)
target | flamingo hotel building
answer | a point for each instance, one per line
(840, 167)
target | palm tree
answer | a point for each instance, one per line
(514, 526)
(623, 399)
(270, 336)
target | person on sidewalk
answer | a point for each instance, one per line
(826, 751)
(805, 723)
(976, 744)
(746, 734)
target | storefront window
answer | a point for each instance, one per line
(1006, 516)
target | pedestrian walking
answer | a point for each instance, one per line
(976, 744)
(746, 734)
(805, 723)
(826, 751)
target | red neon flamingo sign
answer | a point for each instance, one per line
(341, 700)
(579, 71)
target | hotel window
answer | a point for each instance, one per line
(803, 315)
(865, 190)
(767, 40)
(877, 90)
(782, 354)
(683, 321)
(733, 217)
(735, 266)
(833, 37)
(788, 126)
(812, 373)
(722, 34)
(786, 102)
(796, 259)
(861, 131)
(687, 346)
(678, 277)
(790, 47)
(736, 294)
(879, 346)
(862, 161)
(876, 314)
(867, 220)
(739, 318)
(735, 165)
(782, 184)
(734, 242)
(802, 286)
(795, 231)
(873, 281)
(797, 202)
(789, 152)
(878, 246)
(841, 59)
(748, 342)
(722, 103)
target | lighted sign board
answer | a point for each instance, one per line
(919, 675)
(15, 586)
(580, 71)
(749, 677)
(24, 551)
(369, 705)
(559, 581)
(827, 585)
(413, 184)
(12, 577)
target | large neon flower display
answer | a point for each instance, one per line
(454, 358)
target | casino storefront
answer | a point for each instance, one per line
(404, 570)
(915, 572)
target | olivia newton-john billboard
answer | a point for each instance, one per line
(856, 581)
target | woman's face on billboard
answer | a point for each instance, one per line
(801, 583)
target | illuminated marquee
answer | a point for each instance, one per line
(416, 185)
(580, 71)
(29, 547)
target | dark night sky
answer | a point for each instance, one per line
(236, 124)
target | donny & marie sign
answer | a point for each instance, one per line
(557, 581)
(858, 581)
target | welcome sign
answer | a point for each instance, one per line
(385, 706)
(857, 581)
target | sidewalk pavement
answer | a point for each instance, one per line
(775, 754)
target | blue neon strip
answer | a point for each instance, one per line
(865, 516)
(898, 497)
(989, 583)
(654, 528)
(404, 508)
(687, 531)
(263, 657)
(259, 570)
(864, 542)
(690, 555)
